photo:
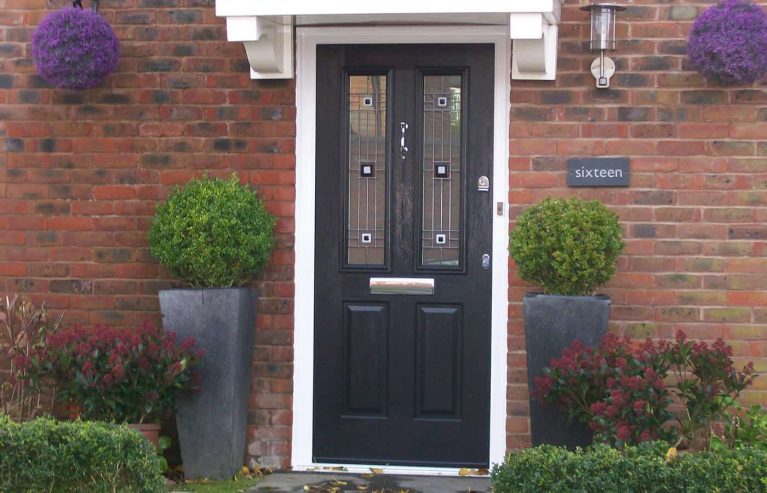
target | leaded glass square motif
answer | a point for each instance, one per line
(442, 170)
(366, 170)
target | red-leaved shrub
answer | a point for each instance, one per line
(118, 375)
(624, 390)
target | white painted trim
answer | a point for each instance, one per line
(268, 43)
(226, 8)
(536, 59)
(307, 41)
(404, 470)
(266, 27)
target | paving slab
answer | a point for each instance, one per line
(302, 482)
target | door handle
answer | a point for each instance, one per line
(402, 144)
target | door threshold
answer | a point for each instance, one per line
(401, 470)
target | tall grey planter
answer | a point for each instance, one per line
(552, 323)
(212, 423)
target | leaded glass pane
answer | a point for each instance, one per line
(366, 170)
(442, 167)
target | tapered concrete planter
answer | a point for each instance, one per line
(552, 323)
(212, 423)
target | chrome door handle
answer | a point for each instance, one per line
(402, 147)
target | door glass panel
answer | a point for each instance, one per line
(442, 167)
(366, 171)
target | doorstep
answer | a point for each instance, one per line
(303, 482)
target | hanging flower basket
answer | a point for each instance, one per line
(75, 48)
(728, 43)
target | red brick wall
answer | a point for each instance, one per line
(695, 216)
(80, 174)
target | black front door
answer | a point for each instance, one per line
(403, 239)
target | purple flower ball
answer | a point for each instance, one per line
(75, 48)
(728, 43)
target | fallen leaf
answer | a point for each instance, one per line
(376, 470)
(671, 454)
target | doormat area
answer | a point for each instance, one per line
(294, 482)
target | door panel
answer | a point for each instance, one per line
(404, 132)
(438, 361)
(366, 330)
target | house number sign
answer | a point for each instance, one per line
(598, 172)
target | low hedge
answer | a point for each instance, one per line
(647, 468)
(46, 455)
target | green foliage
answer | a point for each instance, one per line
(746, 427)
(645, 468)
(45, 455)
(163, 444)
(212, 233)
(24, 331)
(567, 246)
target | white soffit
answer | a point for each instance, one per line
(266, 27)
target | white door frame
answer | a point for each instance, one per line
(307, 40)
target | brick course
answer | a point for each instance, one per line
(80, 173)
(694, 215)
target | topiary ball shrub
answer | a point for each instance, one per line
(567, 246)
(75, 48)
(728, 43)
(212, 233)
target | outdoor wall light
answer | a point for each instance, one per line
(602, 39)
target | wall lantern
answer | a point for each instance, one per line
(603, 39)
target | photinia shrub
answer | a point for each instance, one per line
(623, 390)
(118, 375)
(616, 389)
(212, 233)
(728, 43)
(707, 382)
(75, 48)
(567, 246)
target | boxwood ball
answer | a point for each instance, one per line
(567, 246)
(75, 48)
(212, 233)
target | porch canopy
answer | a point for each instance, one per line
(266, 28)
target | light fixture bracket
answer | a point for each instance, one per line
(603, 75)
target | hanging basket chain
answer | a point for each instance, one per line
(79, 3)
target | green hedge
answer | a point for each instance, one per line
(601, 468)
(45, 455)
